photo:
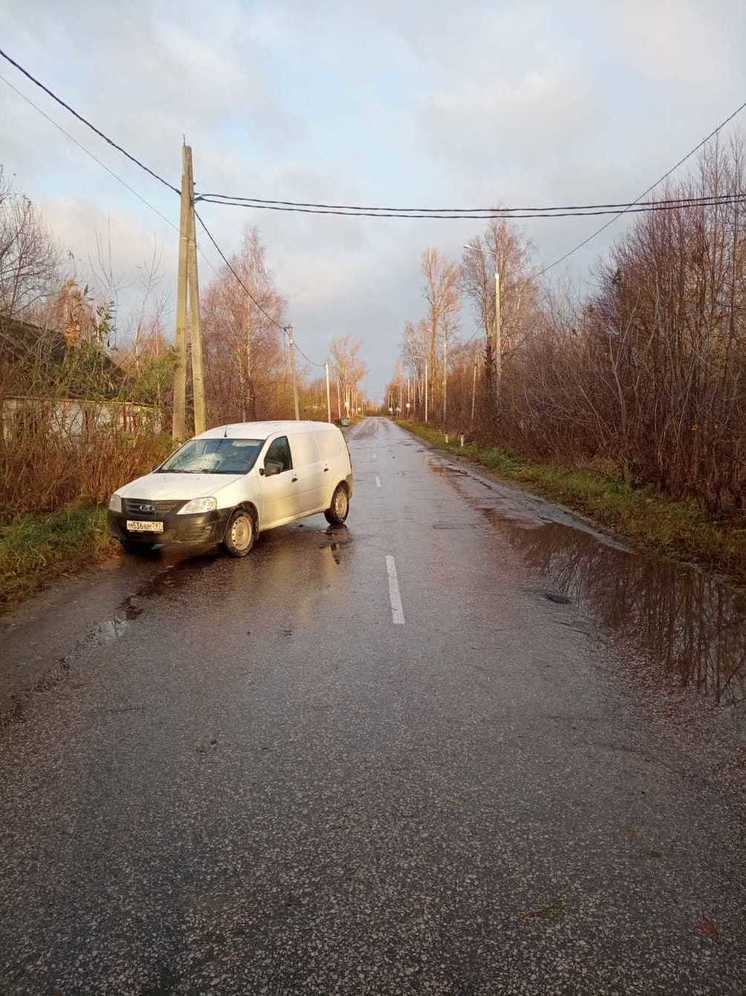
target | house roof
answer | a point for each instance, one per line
(22, 342)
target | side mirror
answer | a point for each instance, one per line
(272, 467)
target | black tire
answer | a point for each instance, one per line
(240, 533)
(339, 508)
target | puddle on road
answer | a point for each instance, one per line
(688, 623)
(336, 537)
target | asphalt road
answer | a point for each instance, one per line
(389, 758)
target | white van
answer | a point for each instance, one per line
(231, 483)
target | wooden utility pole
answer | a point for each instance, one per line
(291, 344)
(497, 359)
(445, 375)
(425, 391)
(328, 396)
(473, 391)
(198, 381)
(179, 400)
(249, 361)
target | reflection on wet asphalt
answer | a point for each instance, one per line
(689, 624)
(243, 776)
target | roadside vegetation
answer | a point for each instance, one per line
(37, 548)
(638, 381)
(682, 529)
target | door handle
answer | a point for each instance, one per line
(325, 469)
(293, 480)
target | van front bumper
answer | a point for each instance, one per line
(188, 530)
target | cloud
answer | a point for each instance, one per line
(420, 103)
(678, 40)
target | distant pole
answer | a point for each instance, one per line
(291, 343)
(198, 380)
(473, 390)
(445, 376)
(179, 402)
(497, 361)
(328, 396)
(425, 391)
(339, 401)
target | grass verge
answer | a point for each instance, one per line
(34, 549)
(680, 529)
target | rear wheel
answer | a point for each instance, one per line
(239, 533)
(340, 506)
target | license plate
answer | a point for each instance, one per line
(139, 526)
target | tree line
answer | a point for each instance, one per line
(642, 377)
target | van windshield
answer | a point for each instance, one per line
(213, 456)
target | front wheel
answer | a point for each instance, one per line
(340, 506)
(239, 533)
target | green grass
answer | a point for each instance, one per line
(36, 548)
(680, 529)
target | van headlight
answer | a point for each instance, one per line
(199, 505)
(115, 503)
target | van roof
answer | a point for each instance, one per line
(260, 430)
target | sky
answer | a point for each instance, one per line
(422, 103)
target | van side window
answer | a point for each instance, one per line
(279, 450)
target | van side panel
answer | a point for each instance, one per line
(307, 466)
(336, 458)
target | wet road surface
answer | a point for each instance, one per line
(465, 745)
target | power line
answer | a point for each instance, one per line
(248, 293)
(89, 153)
(634, 207)
(100, 163)
(279, 325)
(260, 203)
(87, 123)
(308, 359)
(645, 192)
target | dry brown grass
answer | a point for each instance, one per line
(44, 471)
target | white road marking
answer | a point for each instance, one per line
(378, 481)
(397, 612)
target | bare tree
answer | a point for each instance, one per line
(245, 359)
(28, 257)
(442, 294)
(349, 369)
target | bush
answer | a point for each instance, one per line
(42, 470)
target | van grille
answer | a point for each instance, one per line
(153, 509)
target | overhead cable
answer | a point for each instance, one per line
(645, 192)
(248, 293)
(507, 214)
(260, 202)
(87, 123)
(100, 163)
